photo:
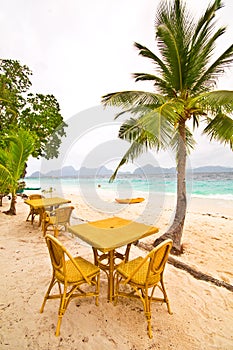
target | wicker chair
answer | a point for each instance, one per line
(33, 212)
(69, 274)
(143, 275)
(58, 219)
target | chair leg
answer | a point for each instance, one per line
(56, 231)
(97, 290)
(147, 311)
(28, 216)
(47, 294)
(166, 297)
(61, 311)
(116, 282)
(44, 227)
(32, 216)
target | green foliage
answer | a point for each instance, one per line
(14, 158)
(185, 74)
(37, 113)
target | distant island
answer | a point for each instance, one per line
(70, 171)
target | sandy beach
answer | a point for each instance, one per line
(202, 312)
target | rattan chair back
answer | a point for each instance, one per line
(144, 275)
(58, 219)
(33, 212)
(69, 274)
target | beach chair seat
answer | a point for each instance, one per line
(33, 212)
(69, 274)
(143, 275)
(58, 219)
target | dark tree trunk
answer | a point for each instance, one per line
(176, 229)
(195, 273)
(12, 210)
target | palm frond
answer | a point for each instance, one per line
(13, 159)
(142, 132)
(6, 179)
(215, 70)
(152, 126)
(220, 129)
(199, 58)
(190, 142)
(129, 99)
(136, 148)
(205, 20)
(148, 132)
(21, 146)
(216, 100)
(162, 84)
(170, 51)
(145, 52)
(173, 33)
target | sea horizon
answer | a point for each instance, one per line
(203, 185)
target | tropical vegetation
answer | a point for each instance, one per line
(30, 125)
(22, 109)
(184, 96)
(20, 146)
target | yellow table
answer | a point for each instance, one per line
(42, 203)
(105, 236)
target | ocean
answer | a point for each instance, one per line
(207, 185)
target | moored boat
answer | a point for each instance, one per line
(129, 200)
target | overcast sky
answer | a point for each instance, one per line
(79, 50)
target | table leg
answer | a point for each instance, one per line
(41, 216)
(110, 276)
(107, 267)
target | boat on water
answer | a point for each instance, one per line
(129, 200)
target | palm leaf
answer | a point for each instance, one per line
(12, 161)
(220, 129)
(21, 146)
(6, 179)
(215, 70)
(140, 130)
(145, 52)
(136, 148)
(216, 100)
(190, 142)
(204, 21)
(163, 86)
(129, 99)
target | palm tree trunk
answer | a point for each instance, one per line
(12, 210)
(176, 229)
(13, 206)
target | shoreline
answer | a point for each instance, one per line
(221, 188)
(202, 312)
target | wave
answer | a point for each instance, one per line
(217, 189)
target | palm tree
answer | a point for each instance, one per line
(184, 82)
(13, 161)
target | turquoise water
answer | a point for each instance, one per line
(212, 185)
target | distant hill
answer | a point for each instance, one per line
(151, 170)
(69, 171)
(102, 171)
(213, 169)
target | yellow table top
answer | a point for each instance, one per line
(111, 233)
(46, 202)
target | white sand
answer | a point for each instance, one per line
(202, 312)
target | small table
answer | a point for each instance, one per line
(105, 236)
(41, 203)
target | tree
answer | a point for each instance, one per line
(19, 108)
(12, 163)
(184, 82)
